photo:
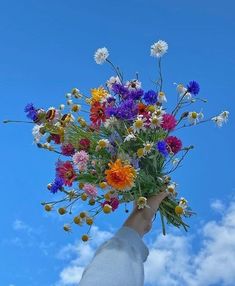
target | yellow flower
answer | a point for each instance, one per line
(98, 94)
(120, 176)
(179, 210)
(103, 185)
(141, 202)
(140, 152)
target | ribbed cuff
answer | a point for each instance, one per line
(134, 239)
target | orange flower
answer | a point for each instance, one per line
(119, 176)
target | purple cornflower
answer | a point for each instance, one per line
(58, 183)
(115, 138)
(127, 110)
(150, 97)
(135, 94)
(118, 88)
(161, 146)
(31, 111)
(111, 111)
(193, 87)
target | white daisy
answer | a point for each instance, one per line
(112, 80)
(139, 124)
(133, 84)
(161, 97)
(155, 121)
(183, 91)
(101, 55)
(171, 189)
(148, 147)
(129, 137)
(110, 122)
(195, 117)
(159, 111)
(159, 48)
(221, 118)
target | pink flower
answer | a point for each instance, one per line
(65, 171)
(84, 144)
(81, 158)
(168, 122)
(90, 190)
(174, 144)
(67, 149)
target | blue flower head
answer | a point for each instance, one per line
(58, 184)
(31, 111)
(193, 87)
(161, 146)
(150, 97)
(127, 110)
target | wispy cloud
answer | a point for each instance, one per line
(172, 260)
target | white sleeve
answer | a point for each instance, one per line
(118, 261)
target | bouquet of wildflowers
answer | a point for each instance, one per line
(118, 145)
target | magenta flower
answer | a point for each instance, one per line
(174, 144)
(65, 171)
(67, 149)
(168, 122)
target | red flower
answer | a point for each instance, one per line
(174, 144)
(84, 144)
(97, 113)
(142, 109)
(67, 149)
(56, 138)
(65, 171)
(168, 122)
(114, 203)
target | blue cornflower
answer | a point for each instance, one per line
(161, 146)
(115, 138)
(31, 111)
(150, 97)
(111, 111)
(193, 87)
(127, 110)
(58, 183)
(136, 94)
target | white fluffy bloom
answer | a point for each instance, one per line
(112, 80)
(129, 137)
(133, 84)
(101, 55)
(159, 48)
(37, 135)
(161, 97)
(195, 117)
(221, 118)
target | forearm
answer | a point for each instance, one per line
(141, 220)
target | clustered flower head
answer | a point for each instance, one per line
(124, 150)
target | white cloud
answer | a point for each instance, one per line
(79, 254)
(20, 225)
(217, 206)
(173, 261)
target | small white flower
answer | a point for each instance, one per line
(195, 117)
(159, 111)
(112, 80)
(155, 121)
(69, 102)
(161, 97)
(68, 95)
(103, 143)
(110, 122)
(148, 147)
(129, 137)
(159, 48)
(101, 55)
(183, 91)
(221, 118)
(133, 84)
(36, 133)
(183, 203)
(139, 124)
(171, 189)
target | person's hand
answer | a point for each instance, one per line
(141, 219)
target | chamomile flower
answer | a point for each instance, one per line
(141, 203)
(103, 143)
(139, 124)
(161, 97)
(171, 189)
(148, 147)
(155, 121)
(111, 122)
(101, 55)
(158, 49)
(181, 207)
(130, 137)
(159, 111)
(36, 133)
(133, 84)
(183, 91)
(195, 117)
(221, 118)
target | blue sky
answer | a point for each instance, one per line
(46, 49)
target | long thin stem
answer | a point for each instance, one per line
(115, 69)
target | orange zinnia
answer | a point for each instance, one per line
(119, 176)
